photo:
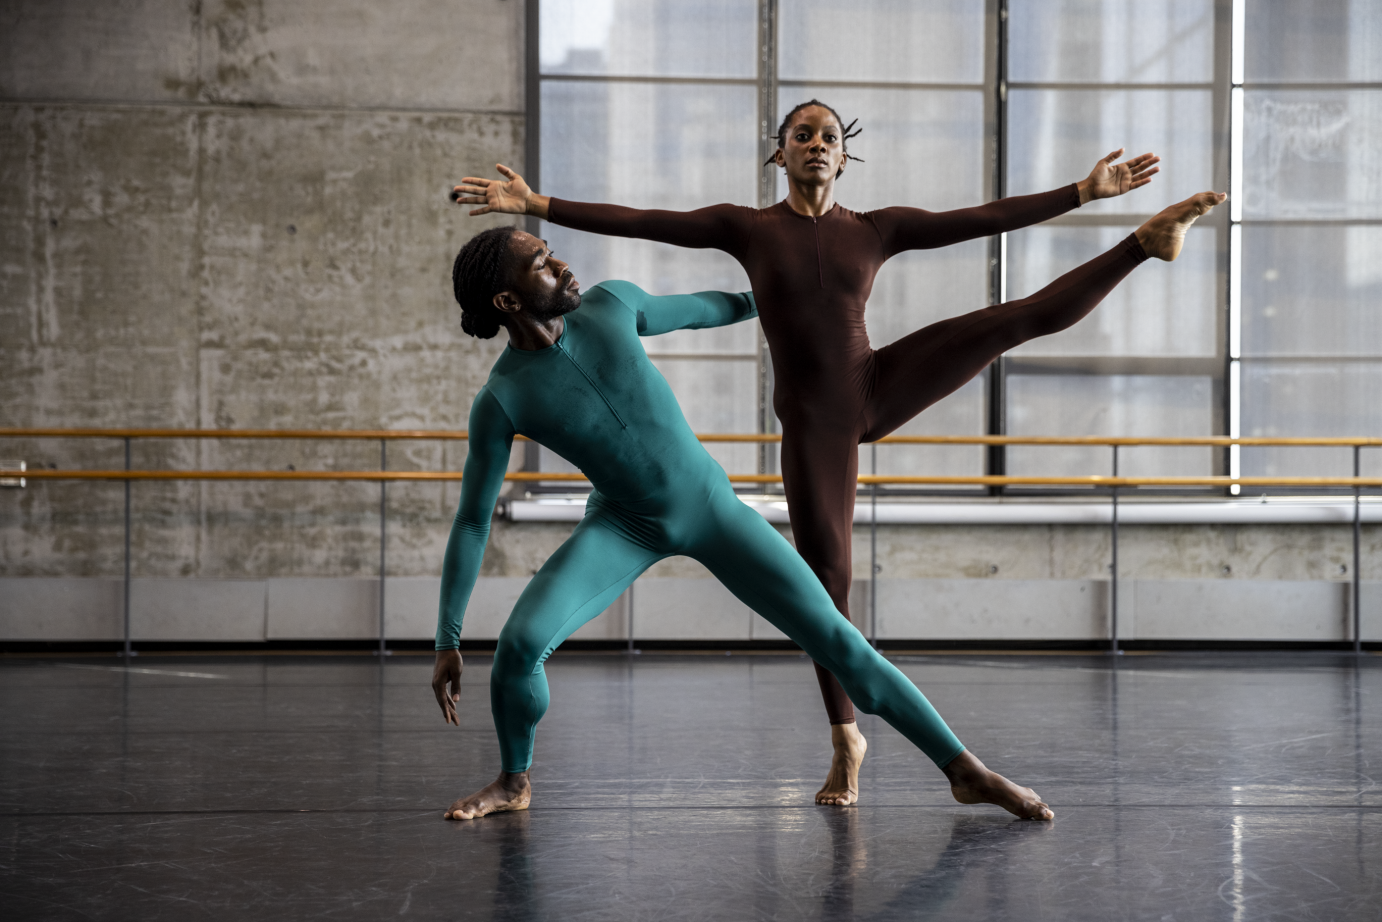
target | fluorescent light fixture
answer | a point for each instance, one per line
(1002, 268)
(1235, 291)
(1235, 464)
(1235, 158)
(1239, 34)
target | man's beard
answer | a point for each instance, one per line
(563, 301)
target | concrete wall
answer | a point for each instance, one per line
(233, 214)
(230, 213)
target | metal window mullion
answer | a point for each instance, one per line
(1286, 87)
(651, 78)
(996, 74)
(1357, 581)
(1223, 151)
(532, 151)
(873, 548)
(532, 104)
(886, 85)
(767, 194)
(1230, 98)
(383, 650)
(127, 649)
(1105, 87)
(1113, 562)
(1309, 222)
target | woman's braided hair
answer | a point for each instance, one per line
(481, 272)
(844, 141)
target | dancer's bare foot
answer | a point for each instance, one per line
(972, 783)
(1164, 233)
(511, 791)
(841, 786)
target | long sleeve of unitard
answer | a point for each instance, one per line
(918, 229)
(664, 313)
(490, 439)
(718, 227)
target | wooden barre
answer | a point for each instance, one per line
(1093, 480)
(1211, 441)
(341, 434)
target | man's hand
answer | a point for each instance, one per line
(512, 197)
(1108, 179)
(448, 672)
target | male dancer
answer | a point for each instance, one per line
(812, 265)
(581, 384)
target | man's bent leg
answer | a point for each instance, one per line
(579, 581)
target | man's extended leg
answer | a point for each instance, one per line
(579, 581)
(754, 562)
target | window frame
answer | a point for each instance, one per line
(1223, 368)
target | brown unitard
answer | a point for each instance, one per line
(811, 277)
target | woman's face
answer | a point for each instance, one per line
(814, 152)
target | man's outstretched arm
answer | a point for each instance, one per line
(491, 438)
(917, 229)
(664, 313)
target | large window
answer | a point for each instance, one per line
(1263, 324)
(654, 104)
(1085, 78)
(1307, 330)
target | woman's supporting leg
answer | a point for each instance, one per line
(819, 466)
(820, 458)
(585, 575)
(922, 367)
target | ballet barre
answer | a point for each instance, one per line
(990, 480)
(393, 435)
(1113, 483)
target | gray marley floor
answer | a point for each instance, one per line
(1227, 787)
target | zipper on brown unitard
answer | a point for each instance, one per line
(820, 265)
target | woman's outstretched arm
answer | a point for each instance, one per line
(721, 227)
(916, 229)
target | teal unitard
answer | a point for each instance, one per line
(597, 400)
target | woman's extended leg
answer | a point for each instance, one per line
(754, 562)
(585, 575)
(922, 367)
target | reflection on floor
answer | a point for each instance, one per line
(1227, 786)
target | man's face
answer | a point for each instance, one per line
(542, 285)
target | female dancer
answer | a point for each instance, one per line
(812, 265)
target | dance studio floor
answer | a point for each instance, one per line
(1207, 786)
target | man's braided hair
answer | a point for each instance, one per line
(848, 131)
(481, 272)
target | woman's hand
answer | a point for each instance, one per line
(446, 672)
(512, 197)
(1108, 179)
